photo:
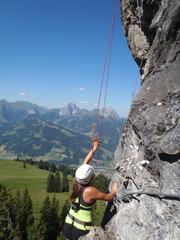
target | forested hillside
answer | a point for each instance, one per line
(28, 210)
(64, 135)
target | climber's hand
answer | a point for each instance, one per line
(96, 143)
(114, 187)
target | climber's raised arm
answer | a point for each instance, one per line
(78, 221)
(94, 148)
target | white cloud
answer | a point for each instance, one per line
(80, 89)
(24, 94)
(84, 102)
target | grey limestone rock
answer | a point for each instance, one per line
(148, 155)
(97, 233)
(149, 150)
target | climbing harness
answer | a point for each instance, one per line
(79, 214)
(76, 220)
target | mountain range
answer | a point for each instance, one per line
(62, 134)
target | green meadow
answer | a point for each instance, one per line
(15, 177)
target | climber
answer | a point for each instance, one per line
(83, 196)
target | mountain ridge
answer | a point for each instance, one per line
(69, 109)
(30, 130)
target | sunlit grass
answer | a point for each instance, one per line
(17, 178)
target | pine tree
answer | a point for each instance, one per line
(102, 183)
(45, 216)
(15, 214)
(52, 168)
(64, 212)
(49, 219)
(40, 231)
(32, 232)
(65, 184)
(54, 182)
(50, 183)
(57, 182)
(26, 218)
(5, 220)
(55, 220)
(24, 164)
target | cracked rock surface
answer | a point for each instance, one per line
(148, 154)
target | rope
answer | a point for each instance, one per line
(106, 68)
(175, 197)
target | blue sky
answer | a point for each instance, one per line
(52, 52)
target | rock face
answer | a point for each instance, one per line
(149, 151)
(148, 156)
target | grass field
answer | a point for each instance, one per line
(14, 176)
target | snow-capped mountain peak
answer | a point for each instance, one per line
(109, 113)
(69, 110)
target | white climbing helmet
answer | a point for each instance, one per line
(84, 174)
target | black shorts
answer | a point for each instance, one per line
(72, 233)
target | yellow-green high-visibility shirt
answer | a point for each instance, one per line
(80, 213)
